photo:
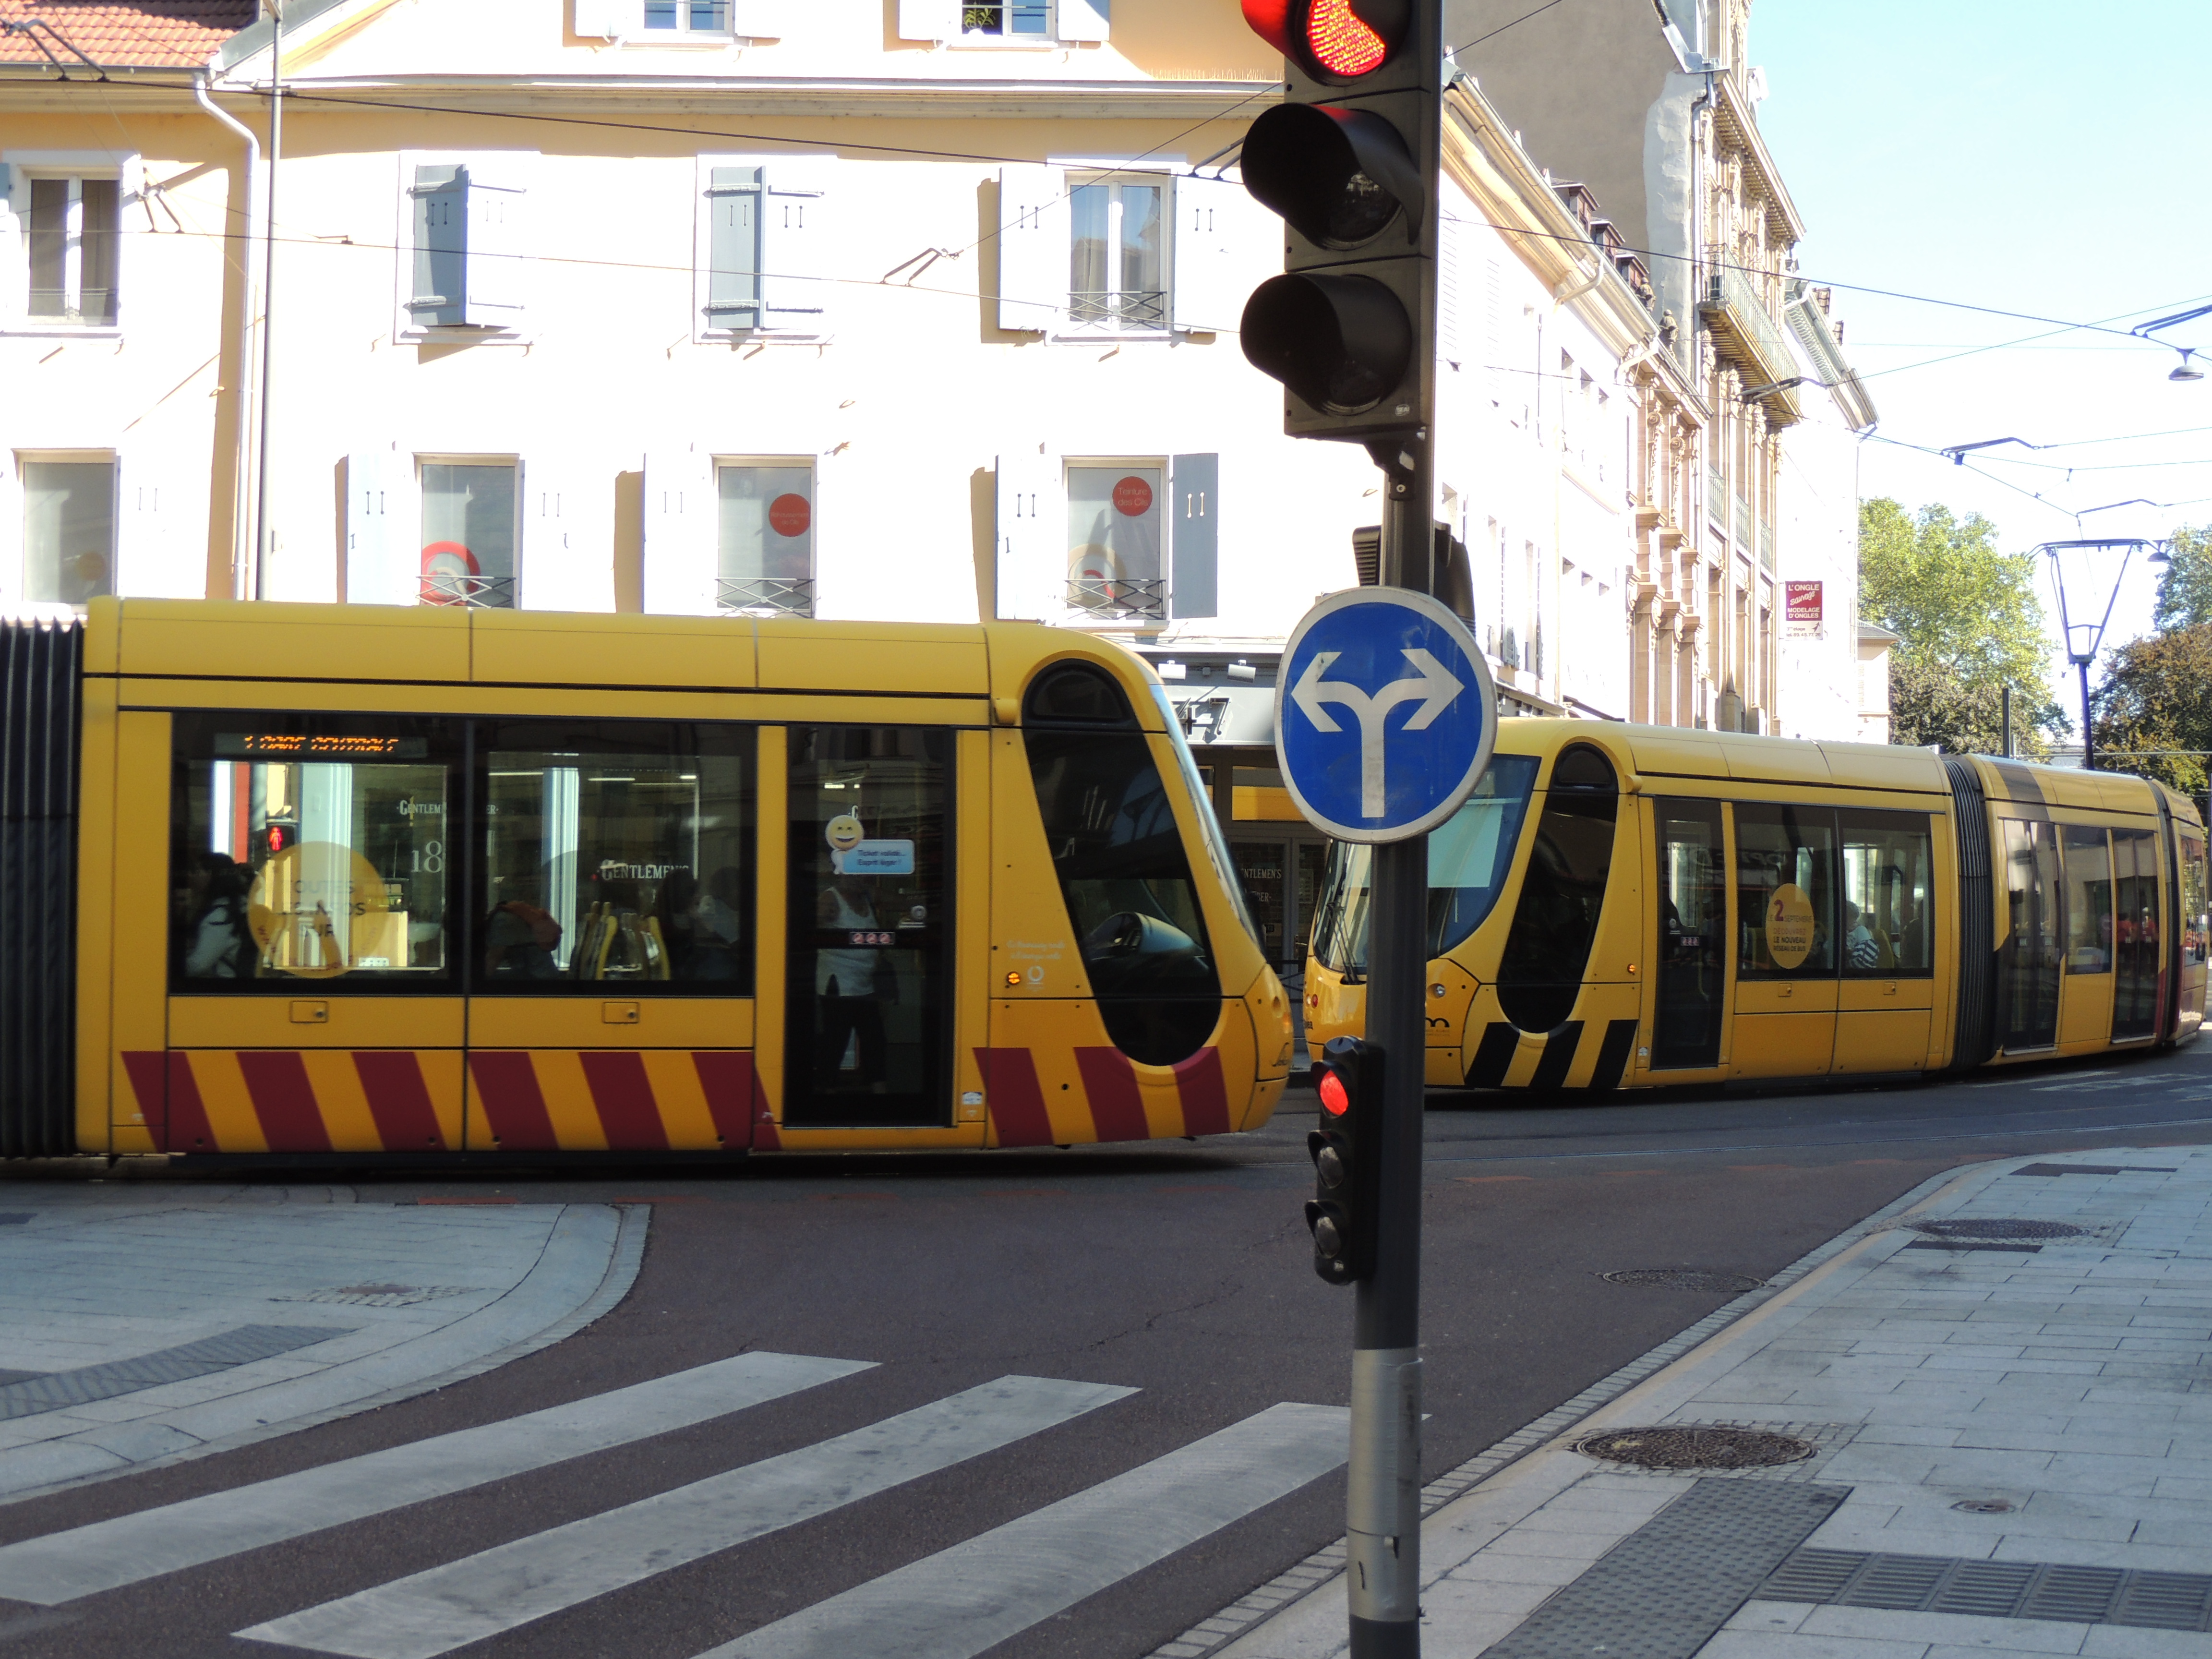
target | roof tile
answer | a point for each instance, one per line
(129, 33)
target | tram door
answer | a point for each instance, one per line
(1693, 938)
(2028, 958)
(867, 1037)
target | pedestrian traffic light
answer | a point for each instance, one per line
(1346, 1158)
(1350, 159)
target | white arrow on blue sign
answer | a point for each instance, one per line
(1386, 715)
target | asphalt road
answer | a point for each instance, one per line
(1179, 1271)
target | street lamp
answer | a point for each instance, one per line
(2187, 370)
(2079, 570)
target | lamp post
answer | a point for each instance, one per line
(2088, 579)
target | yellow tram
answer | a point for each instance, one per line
(303, 880)
(1630, 906)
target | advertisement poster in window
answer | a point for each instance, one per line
(1801, 616)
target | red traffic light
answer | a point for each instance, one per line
(1333, 1099)
(1335, 40)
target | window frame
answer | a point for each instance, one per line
(809, 168)
(520, 165)
(1073, 616)
(15, 504)
(1080, 173)
(684, 34)
(1875, 820)
(968, 39)
(17, 168)
(812, 464)
(422, 458)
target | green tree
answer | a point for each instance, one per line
(2157, 696)
(2184, 591)
(1970, 623)
(1927, 703)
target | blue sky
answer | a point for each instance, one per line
(2032, 157)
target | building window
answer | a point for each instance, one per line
(468, 533)
(68, 531)
(765, 539)
(761, 264)
(72, 236)
(688, 16)
(1114, 521)
(464, 262)
(1118, 277)
(1028, 21)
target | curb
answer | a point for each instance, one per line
(1296, 1583)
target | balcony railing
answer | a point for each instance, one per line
(1742, 522)
(775, 596)
(1766, 546)
(1146, 309)
(1123, 599)
(471, 593)
(1716, 498)
(1748, 336)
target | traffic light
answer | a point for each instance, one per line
(1350, 159)
(1347, 1157)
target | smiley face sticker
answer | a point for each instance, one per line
(843, 833)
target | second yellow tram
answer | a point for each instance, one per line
(1631, 907)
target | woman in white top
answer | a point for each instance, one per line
(845, 982)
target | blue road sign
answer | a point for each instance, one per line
(1384, 714)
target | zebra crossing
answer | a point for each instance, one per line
(951, 1605)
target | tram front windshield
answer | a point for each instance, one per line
(1469, 858)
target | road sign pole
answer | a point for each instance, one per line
(1383, 1501)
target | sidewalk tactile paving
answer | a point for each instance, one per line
(88, 1383)
(1992, 1589)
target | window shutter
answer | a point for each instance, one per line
(681, 511)
(929, 20)
(1451, 286)
(1193, 535)
(605, 19)
(1034, 253)
(382, 563)
(733, 243)
(1032, 574)
(14, 206)
(795, 235)
(566, 551)
(1493, 329)
(1226, 246)
(759, 20)
(441, 221)
(496, 254)
(156, 556)
(1085, 20)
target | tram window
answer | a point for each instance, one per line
(1692, 933)
(1562, 894)
(2088, 868)
(1470, 856)
(2195, 903)
(1888, 922)
(1126, 881)
(2028, 957)
(616, 851)
(1785, 879)
(311, 847)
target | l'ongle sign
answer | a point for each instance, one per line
(1801, 612)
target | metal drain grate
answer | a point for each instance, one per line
(1695, 1447)
(1998, 1227)
(1684, 1278)
(119, 1376)
(1973, 1244)
(1994, 1589)
(1665, 1590)
(381, 1296)
(2093, 1169)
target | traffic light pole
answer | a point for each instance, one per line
(1384, 1499)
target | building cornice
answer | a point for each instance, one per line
(1514, 197)
(1741, 127)
(644, 96)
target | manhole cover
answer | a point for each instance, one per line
(1998, 1227)
(1695, 1447)
(1683, 1279)
(1984, 1506)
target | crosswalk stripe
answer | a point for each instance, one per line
(955, 1604)
(107, 1554)
(432, 1612)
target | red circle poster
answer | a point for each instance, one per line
(789, 515)
(1133, 497)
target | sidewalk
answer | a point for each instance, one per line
(252, 1311)
(2011, 1437)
